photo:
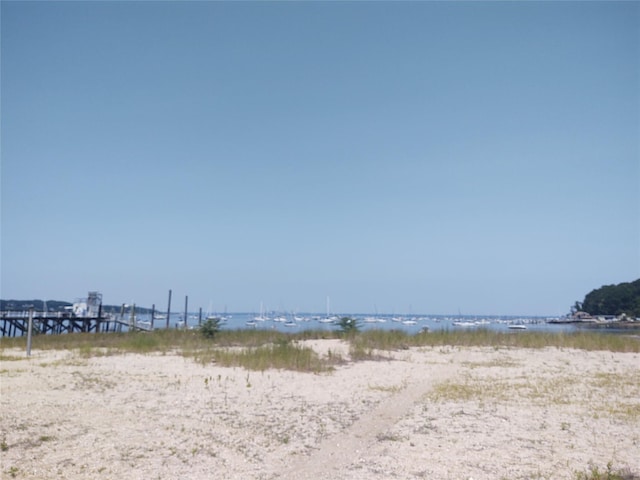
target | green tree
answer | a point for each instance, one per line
(576, 307)
(614, 300)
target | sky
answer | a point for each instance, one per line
(398, 157)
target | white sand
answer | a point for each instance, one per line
(436, 413)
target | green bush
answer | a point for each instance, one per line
(348, 325)
(210, 327)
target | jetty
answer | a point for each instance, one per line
(16, 324)
(85, 315)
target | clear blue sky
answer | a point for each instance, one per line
(396, 156)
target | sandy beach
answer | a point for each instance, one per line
(437, 413)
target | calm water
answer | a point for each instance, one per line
(410, 324)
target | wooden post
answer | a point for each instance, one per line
(153, 314)
(98, 321)
(132, 318)
(200, 316)
(186, 303)
(169, 309)
(29, 332)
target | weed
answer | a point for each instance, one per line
(388, 437)
(11, 358)
(594, 473)
(391, 389)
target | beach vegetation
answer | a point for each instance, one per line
(348, 326)
(11, 358)
(281, 355)
(260, 349)
(389, 437)
(210, 327)
(595, 473)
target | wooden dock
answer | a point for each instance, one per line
(15, 324)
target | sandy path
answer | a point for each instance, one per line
(334, 454)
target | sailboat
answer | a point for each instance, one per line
(210, 314)
(329, 318)
(261, 317)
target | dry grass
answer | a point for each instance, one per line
(262, 349)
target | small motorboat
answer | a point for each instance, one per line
(517, 326)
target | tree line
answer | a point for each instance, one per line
(623, 298)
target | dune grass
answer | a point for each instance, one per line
(158, 341)
(251, 349)
(583, 340)
(262, 349)
(280, 355)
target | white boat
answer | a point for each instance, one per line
(465, 324)
(517, 326)
(262, 317)
(328, 320)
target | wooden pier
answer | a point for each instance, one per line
(15, 324)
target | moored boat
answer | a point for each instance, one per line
(517, 326)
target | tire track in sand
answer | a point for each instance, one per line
(336, 453)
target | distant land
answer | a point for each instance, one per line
(623, 298)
